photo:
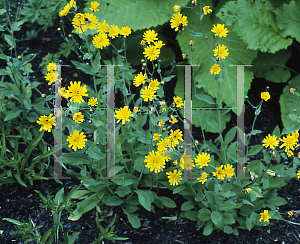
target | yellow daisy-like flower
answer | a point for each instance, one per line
(51, 77)
(139, 79)
(289, 153)
(103, 27)
(150, 36)
(164, 143)
(173, 120)
(72, 3)
(247, 190)
(220, 173)
(93, 102)
(125, 31)
(221, 51)
(264, 216)
(202, 159)
(94, 6)
(154, 84)
(174, 177)
(136, 109)
(43, 95)
(63, 92)
(219, 30)
(78, 117)
(186, 162)
(178, 20)
(91, 21)
(148, 94)
(292, 90)
(79, 23)
(203, 178)
(47, 122)
(298, 174)
(288, 142)
(151, 52)
(161, 123)
(295, 135)
(51, 66)
(113, 31)
(155, 161)
(123, 114)
(176, 135)
(156, 136)
(229, 171)
(265, 96)
(158, 44)
(101, 40)
(76, 140)
(76, 92)
(65, 10)
(215, 69)
(206, 10)
(270, 141)
(176, 8)
(178, 102)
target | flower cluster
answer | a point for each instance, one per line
(51, 76)
(151, 45)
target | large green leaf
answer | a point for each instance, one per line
(139, 14)
(255, 24)
(288, 19)
(272, 66)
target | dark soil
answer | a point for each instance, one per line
(18, 202)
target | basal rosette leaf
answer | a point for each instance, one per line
(287, 103)
(288, 19)
(255, 24)
(272, 66)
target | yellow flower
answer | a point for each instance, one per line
(78, 117)
(51, 66)
(298, 173)
(203, 178)
(164, 143)
(51, 77)
(220, 173)
(103, 27)
(184, 55)
(215, 69)
(186, 162)
(139, 79)
(47, 122)
(164, 110)
(174, 178)
(288, 142)
(148, 94)
(113, 31)
(202, 159)
(247, 190)
(178, 21)
(161, 123)
(156, 136)
(91, 21)
(125, 31)
(290, 214)
(94, 6)
(229, 171)
(158, 44)
(178, 102)
(264, 216)
(219, 30)
(206, 10)
(176, 136)
(135, 109)
(290, 153)
(221, 51)
(151, 52)
(265, 96)
(43, 95)
(295, 135)
(101, 40)
(154, 84)
(292, 90)
(150, 36)
(67, 8)
(76, 140)
(162, 103)
(270, 141)
(63, 92)
(191, 43)
(176, 8)
(76, 92)
(142, 43)
(123, 114)
(173, 120)
(79, 23)
(175, 162)
(93, 102)
(155, 161)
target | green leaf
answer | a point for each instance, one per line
(255, 150)
(288, 19)
(133, 220)
(260, 33)
(12, 114)
(86, 68)
(204, 214)
(32, 117)
(228, 230)
(272, 66)
(144, 199)
(255, 193)
(208, 230)
(249, 223)
(114, 201)
(228, 219)
(167, 202)
(95, 153)
(187, 206)
(122, 191)
(191, 215)
(75, 158)
(9, 40)
(127, 180)
(88, 204)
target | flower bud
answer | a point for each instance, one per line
(107, 3)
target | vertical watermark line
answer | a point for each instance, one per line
(240, 122)
(58, 129)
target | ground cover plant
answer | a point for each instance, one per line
(151, 151)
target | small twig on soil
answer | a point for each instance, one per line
(296, 237)
(179, 241)
(290, 222)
